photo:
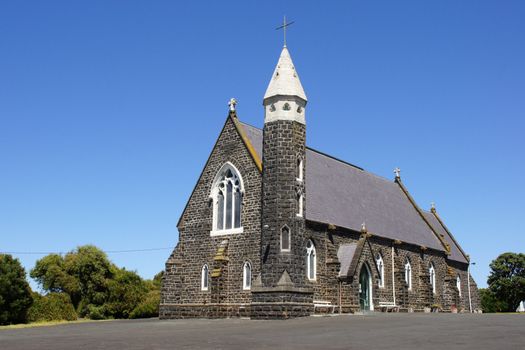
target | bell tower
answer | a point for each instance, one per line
(283, 290)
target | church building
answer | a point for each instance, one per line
(274, 229)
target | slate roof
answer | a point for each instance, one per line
(455, 251)
(345, 195)
(345, 255)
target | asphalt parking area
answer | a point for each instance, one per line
(375, 331)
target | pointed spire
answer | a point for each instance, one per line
(285, 80)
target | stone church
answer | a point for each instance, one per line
(274, 229)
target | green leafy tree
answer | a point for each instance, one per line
(83, 274)
(15, 294)
(490, 303)
(507, 279)
(126, 291)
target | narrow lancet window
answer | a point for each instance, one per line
(285, 239)
(381, 269)
(408, 275)
(247, 276)
(204, 278)
(299, 172)
(311, 261)
(432, 275)
(299, 204)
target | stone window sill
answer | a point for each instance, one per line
(231, 231)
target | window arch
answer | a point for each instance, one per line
(227, 193)
(381, 269)
(285, 239)
(311, 261)
(205, 272)
(432, 275)
(247, 276)
(408, 274)
(458, 285)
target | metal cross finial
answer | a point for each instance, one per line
(397, 171)
(232, 104)
(283, 27)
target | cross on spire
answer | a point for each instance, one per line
(283, 27)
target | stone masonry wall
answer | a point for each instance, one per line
(181, 294)
(420, 298)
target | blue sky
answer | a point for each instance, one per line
(109, 109)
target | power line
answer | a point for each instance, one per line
(105, 251)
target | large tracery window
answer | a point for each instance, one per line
(227, 193)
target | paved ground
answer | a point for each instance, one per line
(376, 331)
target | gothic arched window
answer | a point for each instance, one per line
(458, 285)
(299, 170)
(408, 274)
(285, 239)
(204, 277)
(432, 275)
(381, 268)
(311, 261)
(300, 199)
(247, 276)
(227, 193)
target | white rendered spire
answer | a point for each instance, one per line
(285, 80)
(284, 98)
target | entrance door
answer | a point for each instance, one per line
(364, 289)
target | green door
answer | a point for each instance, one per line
(364, 289)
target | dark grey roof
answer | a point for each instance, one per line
(455, 251)
(346, 196)
(345, 255)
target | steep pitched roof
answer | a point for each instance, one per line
(346, 196)
(456, 253)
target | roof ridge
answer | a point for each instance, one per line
(441, 240)
(333, 157)
(435, 214)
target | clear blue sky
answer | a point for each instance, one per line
(109, 109)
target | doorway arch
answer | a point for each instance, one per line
(365, 289)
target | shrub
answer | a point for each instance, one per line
(52, 307)
(15, 294)
(96, 312)
(126, 291)
(149, 307)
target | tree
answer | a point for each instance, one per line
(126, 291)
(83, 274)
(507, 279)
(15, 293)
(489, 302)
